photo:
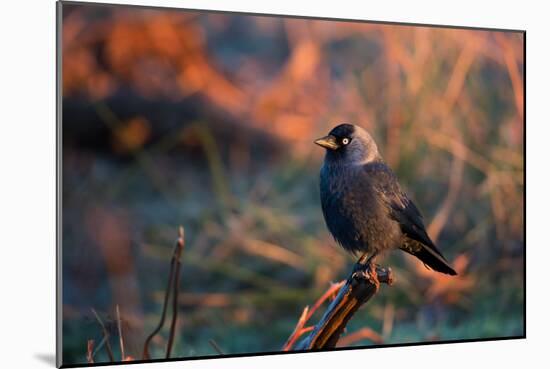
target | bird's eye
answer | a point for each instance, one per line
(345, 141)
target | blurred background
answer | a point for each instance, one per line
(207, 120)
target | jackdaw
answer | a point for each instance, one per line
(365, 209)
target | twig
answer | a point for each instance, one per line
(215, 346)
(98, 347)
(168, 290)
(120, 339)
(297, 330)
(105, 336)
(332, 290)
(359, 288)
(89, 352)
(146, 355)
(307, 313)
(295, 336)
(177, 255)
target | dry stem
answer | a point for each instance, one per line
(105, 336)
(172, 287)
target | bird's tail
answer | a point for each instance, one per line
(432, 258)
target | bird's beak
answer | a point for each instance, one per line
(328, 142)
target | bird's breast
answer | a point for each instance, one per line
(352, 212)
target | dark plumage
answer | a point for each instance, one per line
(364, 207)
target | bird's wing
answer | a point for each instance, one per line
(406, 214)
(400, 207)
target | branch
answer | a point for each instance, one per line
(359, 288)
(308, 313)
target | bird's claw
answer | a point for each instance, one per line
(373, 276)
(367, 272)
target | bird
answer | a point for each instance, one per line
(364, 207)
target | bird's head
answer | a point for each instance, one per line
(349, 143)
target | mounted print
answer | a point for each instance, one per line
(250, 184)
